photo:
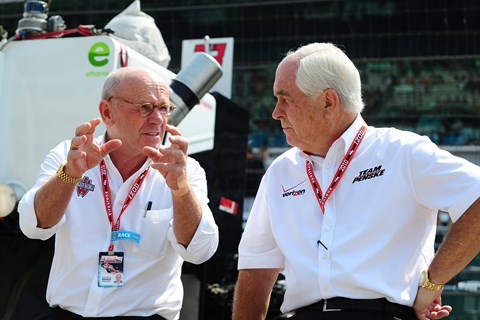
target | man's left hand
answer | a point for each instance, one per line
(170, 161)
(428, 305)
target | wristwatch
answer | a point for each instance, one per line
(425, 283)
(65, 177)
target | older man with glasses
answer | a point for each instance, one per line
(121, 199)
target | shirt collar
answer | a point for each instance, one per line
(351, 133)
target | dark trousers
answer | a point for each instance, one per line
(60, 314)
(347, 315)
(376, 309)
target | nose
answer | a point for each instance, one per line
(156, 117)
(277, 111)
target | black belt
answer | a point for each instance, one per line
(63, 314)
(345, 304)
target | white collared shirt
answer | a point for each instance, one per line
(152, 268)
(378, 230)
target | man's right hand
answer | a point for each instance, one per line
(52, 198)
(84, 153)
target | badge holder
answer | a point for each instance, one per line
(110, 269)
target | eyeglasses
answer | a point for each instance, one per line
(146, 109)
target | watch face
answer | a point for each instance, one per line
(423, 278)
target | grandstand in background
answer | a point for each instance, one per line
(419, 61)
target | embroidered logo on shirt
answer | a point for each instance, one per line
(84, 186)
(290, 192)
(369, 174)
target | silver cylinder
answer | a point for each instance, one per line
(201, 74)
(192, 83)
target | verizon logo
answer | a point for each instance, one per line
(294, 193)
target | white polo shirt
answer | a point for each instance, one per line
(378, 230)
(152, 267)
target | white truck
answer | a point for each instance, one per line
(48, 86)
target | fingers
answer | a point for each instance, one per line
(83, 133)
(170, 155)
(83, 151)
(437, 314)
(152, 153)
(77, 142)
(172, 130)
(433, 311)
(170, 161)
(109, 146)
(87, 127)
(176, 139)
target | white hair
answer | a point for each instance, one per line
(323, 66)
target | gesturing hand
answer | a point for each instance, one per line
(170, 161)
(84, 153)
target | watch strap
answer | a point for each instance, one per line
(66, 177)
(430, 285)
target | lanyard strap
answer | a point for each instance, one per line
(107, 197)
(347, 159)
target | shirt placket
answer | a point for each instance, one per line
(95, 293)
(328, 170)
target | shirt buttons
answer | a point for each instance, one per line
(325, 288)
(326, 228)
(324, 256)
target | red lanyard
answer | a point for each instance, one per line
(108, 203)
(340, 171)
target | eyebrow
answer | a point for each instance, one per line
(281, 92)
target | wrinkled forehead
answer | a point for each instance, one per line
(289, 65)
(285, 75)
(142, 81)
(157, 86)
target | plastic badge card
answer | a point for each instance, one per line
(110, 269)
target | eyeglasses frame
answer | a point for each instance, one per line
(139, 107)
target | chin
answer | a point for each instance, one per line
(291, 141)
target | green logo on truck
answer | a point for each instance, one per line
(98, 54)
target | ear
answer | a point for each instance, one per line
(105, 109)
(331, 102)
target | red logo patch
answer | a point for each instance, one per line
(84, 186)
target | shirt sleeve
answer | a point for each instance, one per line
(205, 240)
(27, 216)
(258, 248)
(442, 180)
